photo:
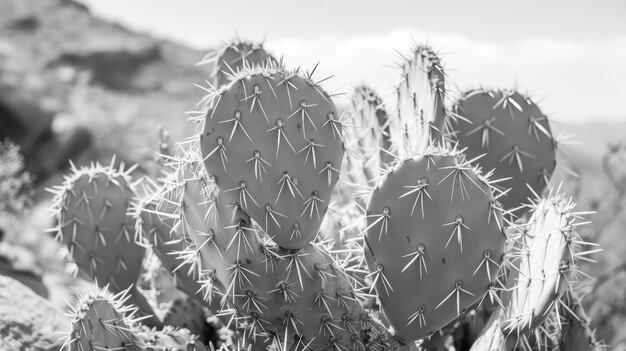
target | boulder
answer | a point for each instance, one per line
(27, 321)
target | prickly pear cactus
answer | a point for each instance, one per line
(576, 332)
(546, 264)
(159, 232)
(272, 144)
(421, 110)
(513, 137)
(90, 208)
(186, 312)
(491, 338)
(100, 321)
(169, 339)
(91, 211)
(433, 243)
(234, 56)
(302, 299)
(368, 135)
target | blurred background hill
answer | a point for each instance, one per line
(73, 85)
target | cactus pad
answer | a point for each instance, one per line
(433, 243)
(515, 138)
(272, 144)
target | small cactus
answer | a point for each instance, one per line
(233, 57)
(91, 212)
(102, 321)
(421, 110)
(545, 264)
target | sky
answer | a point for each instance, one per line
(570, 55)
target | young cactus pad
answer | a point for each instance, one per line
(433, 243)
(233, 57)
(100, 321)
(545, 264)
(513, 135)
(421, 110)
(272, 143)
(91, 210)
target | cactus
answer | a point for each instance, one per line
(421, 110)
(102, 321)
(491, 338)
(233, 57)
(370, 134)
(434, 239)
(271, 142)
(513, 137)
(236, 219)
(546, 264)
(91, 212)
(157, 231)
(576, 332)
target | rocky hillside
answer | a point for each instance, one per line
(76, 85)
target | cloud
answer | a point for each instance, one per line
(582, 80)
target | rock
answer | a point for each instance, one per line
(26, 113)
(27, 321)
(112, 67)
(26, 23)
(55, 151)
(20, 264)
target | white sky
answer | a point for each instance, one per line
(569, 53)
